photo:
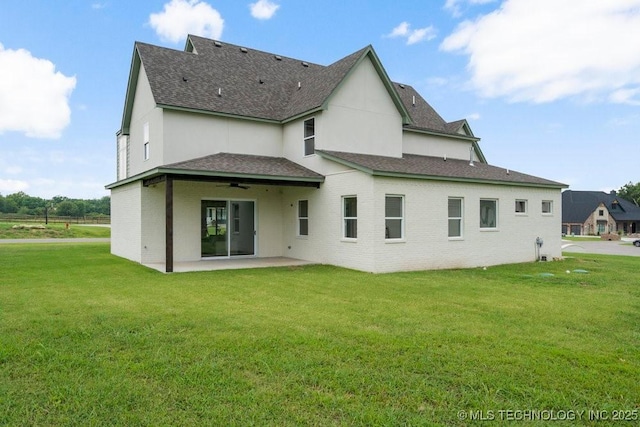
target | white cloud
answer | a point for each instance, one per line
(455, 6)
(413, 36)
(401, 30)
(182, 17)
(10, 186)
(263, 9)
(13, 170)
(474, 116)
(34, 97)
(546, 50)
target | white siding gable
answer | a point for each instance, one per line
(361, 116)
(144, 111)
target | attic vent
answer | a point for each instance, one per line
(219, 91)
(243, 50)
(299, 85)
(217, 44)
(261, 81)
(305, 64)
(185, 79)
(278, 57)
(401, 86)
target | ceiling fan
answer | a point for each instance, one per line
(234, 185)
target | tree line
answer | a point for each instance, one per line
(22, 204)
(630, 192)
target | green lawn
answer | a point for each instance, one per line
(582, 238)
(90, 339)
(57, 230)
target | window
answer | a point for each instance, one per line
(488, 213)
(145, 139)
(521, 206)
(547, 207)
(303, 217)
(393, 217)
(455, 217)
(601, 212)
(350, 217)
(309, 137)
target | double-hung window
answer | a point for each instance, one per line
(394, 217)
(309, 136)
(455, 217)
(303, 217)
(521, 206)
(488, 214)
(350, 217)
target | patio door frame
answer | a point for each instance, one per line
(231, 226)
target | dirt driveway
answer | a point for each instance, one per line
(602, 247)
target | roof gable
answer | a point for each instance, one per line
(212, 77)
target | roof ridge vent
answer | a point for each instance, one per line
(217, 44)
(401, 86)
(305, 64)
(244, 50)
(278, 57)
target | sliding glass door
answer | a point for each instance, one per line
(227, 228)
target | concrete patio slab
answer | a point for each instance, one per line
(229, 264)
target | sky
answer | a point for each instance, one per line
(552, 87)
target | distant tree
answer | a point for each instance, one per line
(66, 208)
(104, 206)
(630, 192)
(10, 206)
(58, 199)
(60, 205)
(81, 207)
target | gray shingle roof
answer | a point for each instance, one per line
(246, 165)
(428, 167)
(578, 205)
(228, 79)
(256, 84)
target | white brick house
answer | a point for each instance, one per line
(226, 152)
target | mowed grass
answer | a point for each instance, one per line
(90, 339)
(51, 231)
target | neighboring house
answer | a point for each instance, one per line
(226, 151)
(597, 212)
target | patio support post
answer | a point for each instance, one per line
(169, 224)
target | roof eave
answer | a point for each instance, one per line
(374, 172)
(218, 113)
(152, 173)
(132, 84)
(440, 133)
(469, 180)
